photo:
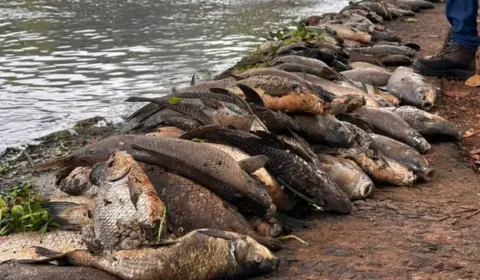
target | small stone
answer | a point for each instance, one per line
(371, 275)
(359, 277)
(309, 265)
(391, 206)
(376, 264)
(348, 275)
(439, 266)
(340, 253)
(328, 251)
(428, 270)
(331, 264)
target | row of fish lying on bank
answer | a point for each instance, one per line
(203, 182)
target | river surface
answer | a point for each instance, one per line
(66, 60)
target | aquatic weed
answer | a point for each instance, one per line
(21, 210)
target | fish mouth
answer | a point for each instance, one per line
(367, 189)
(427, 174)
(427, 105)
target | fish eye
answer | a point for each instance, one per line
(257, 259)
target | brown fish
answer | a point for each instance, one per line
(281, 94)
(369, 76)
(350, 33)
(403, 154)
(78, 182)
(128, 210)
(167, 131)
(366, 65)
(19, 271)
(191, 206)
(199, 255)
(387, 123)
(210, 167)
(319, 67)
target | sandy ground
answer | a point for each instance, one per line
(429, 231)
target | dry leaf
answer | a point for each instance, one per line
(411, 20)
(469, 133)
(473, 81)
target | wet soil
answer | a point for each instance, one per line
(430, 231)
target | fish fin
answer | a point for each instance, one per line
(292, 223)
(295, 192)
(139, 99)
(254, 163)
(251, 95)
(134, 192)
(59, 162)
(220, 90)
(212, 103)
(236, 77)
(215, 233)
(306, 151)
(199, 132)
(192, 81)
(323, 94)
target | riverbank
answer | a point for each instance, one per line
(426, 232)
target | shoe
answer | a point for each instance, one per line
(455, 61)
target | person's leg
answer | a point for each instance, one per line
(458, 59)
(462, 15)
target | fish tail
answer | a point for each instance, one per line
(139, 99)
(273, 244)
(59, 162)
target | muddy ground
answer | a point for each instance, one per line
(430, 231)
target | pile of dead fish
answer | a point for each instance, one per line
(203, 180)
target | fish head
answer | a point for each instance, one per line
(338, 134)
(255, 258)
(428, 95)
(118, 166)
(226, 117)
(363, 189)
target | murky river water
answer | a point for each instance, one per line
(66, 60)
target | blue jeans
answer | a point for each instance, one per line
(462, 15)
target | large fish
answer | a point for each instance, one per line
(128, 211)
(403, 154)
(21, 246)
(199, 255)
(275, 121)
(350, 33)
(341, 89)
(159, 117)
(366, 65)
(78, 182)
(20, 271)
(191, 206)
(324, 128)
(167, 131)
(348, 176)
(428, 125)
(291, 170)
(378, 8)
(386, 50)
(321, 68)
(389, 124)
(278, 93)
(368, 76)
(412, 88)
(417, 4)
(280, 198)
(206, 165)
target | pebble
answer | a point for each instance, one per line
(328, 251)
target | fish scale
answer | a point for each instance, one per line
(285, 165)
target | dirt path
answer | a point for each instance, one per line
(430, 231)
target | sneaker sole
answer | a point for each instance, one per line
(457, 74)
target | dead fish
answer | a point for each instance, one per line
(412, 88)
(78, 182)
(396, 60)
(291, 76)
(389, 124)
(191, 206)
(20, 271)
(159, 118)
(211, 168)
(348, 176)
(339, 66)
(128, 210)
(324, 129)
(385, 50)
(403, 154)
(366, 65)
(207, 111)
(21, 246)
(276, 191)
(346, 104)
(204, 254)
(167, 131)
(292, 171)
(400, 12)
(350, 33)
(368, 76)
(347, 43)
(342, 89)
(384, 36)
(428, 125)
(281, 94)
(419, 4)
(320, 67)
(265, 228)
(70, 214)
(276, 121)
(378, 8)
(386, 96)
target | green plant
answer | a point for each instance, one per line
(21, 210)
(4, 169)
